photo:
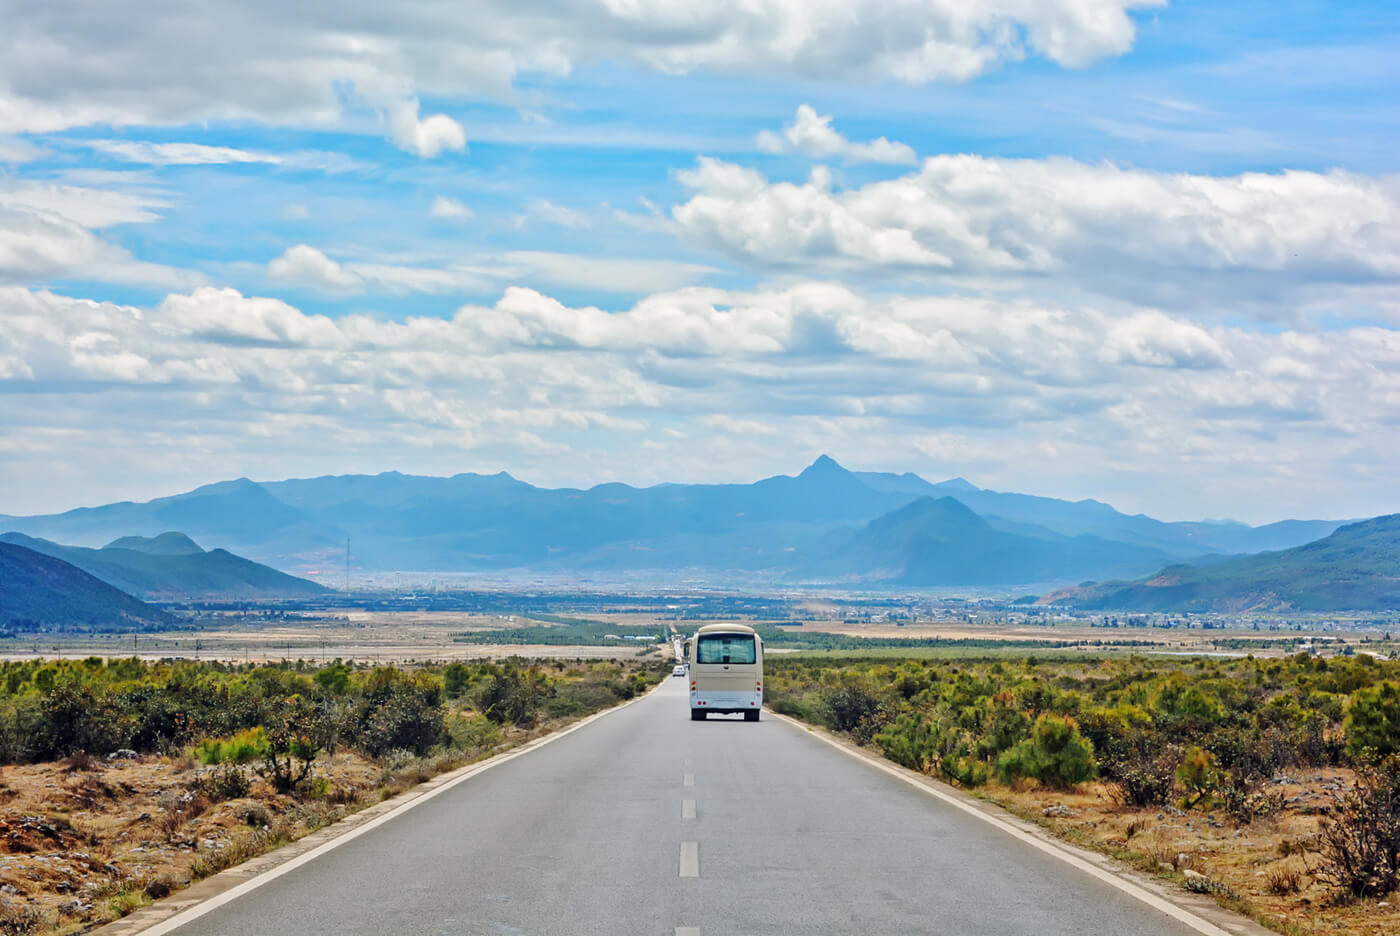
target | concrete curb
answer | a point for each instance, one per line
(1198, 912)
(169, 914)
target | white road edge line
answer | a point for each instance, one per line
(688, 809)
(213, 903)
(1199, 924)
(690, 859)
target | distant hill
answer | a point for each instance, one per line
(939, 541)
(167, 544)
(768, 529)
(42, 593)
(1357, 568)
(173, 566)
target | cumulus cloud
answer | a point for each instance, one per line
(303, 265)
(968, 385)
(812, 135)
(1095, 225)
(184, 61)
(427, 137)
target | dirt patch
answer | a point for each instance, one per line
(1266, 868)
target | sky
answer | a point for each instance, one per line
(1140, 251)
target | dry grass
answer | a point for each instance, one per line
(1265, 869)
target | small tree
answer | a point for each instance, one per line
(296, 732)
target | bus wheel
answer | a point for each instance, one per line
(697, 714)
(751, 715)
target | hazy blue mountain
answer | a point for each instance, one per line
(44, 593)
(166, 544)
(940, 541)
(165, 568)
(1355, 568)
(474, 522)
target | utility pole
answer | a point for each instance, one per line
(347, 565)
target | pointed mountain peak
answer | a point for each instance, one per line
(957, 484)
(824, 465)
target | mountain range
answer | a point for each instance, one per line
(40, 592)
(1356, 568)
(825, 524)
(172, 566)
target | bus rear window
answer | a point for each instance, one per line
(725, 648)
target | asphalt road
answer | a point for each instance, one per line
(645, 822)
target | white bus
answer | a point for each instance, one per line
(726, 671)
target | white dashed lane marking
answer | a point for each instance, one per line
(690, 859)
(688, 809)
(690, 779)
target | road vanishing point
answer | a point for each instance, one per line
(644, 822)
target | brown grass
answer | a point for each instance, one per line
(1264, 869)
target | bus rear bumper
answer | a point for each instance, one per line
(725, 703)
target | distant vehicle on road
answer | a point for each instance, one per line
(679, 670)
(726, 671)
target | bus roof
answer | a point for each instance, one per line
(726, 629)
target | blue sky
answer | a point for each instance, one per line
(1138, 251)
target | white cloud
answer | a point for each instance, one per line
(89, 207)
(199, 154)
(47, 231)
(16, 150)
(1025, 395)
(812, 135)
(1097, 226)
(427, 137)
(199, 60)
(558, 215)
(613, 274)
(227, 315)
(306, 266)
(1155, 340)
(177, 154)
(450, 208)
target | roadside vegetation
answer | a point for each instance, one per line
(1273, 784)
(121, 781)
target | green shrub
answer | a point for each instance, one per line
(242, 748)
(334, 679)
(514, 696)
(1373, 720)
(225, 783)
(1055, 754)
(1198, 776)
(853, 706)
(456, 679)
